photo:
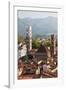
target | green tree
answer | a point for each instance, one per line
(48, 43)
(35, 44)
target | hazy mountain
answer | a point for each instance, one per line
(40, 26)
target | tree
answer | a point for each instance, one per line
(35, 44)
(48, 43)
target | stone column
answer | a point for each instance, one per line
(52, 45)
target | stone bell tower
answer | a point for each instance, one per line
(52, 45)
(29, 38)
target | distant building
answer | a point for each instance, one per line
(29, 38)
(22, 50)
(41, 53)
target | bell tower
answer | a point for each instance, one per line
(29, 38)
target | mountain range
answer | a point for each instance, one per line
(40, 26)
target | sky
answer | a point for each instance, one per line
(33, 14)
(43, 23)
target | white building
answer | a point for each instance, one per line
(22, 52)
